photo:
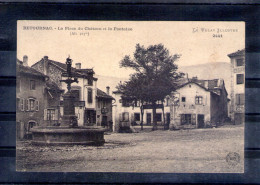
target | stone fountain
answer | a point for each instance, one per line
(68, 133)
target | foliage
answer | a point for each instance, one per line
(155, 73)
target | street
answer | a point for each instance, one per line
(182, 151)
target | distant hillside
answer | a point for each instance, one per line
(210, 71)
(203, 71)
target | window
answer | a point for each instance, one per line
(124, 116)
(137, 116)
(240, 99)
(183, 99)
(187, 119)
(31, 124)
(137, 103)
(90, 100)
(90, 81)
(126, 102)
(76, 94)
(240, 62)
(32, 85)
(240, 78)
(159, 102)
(198, 100)
(32, 105)
(159, 117)
(50, 114)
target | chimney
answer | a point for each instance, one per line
(45, 65)
(25, 60)
(108, 89)
(78, 65)
(194, 79)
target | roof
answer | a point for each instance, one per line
(214, 86)
(237, 53)
(102, 95)
(53, 87)
(76, 72)
(29, 71)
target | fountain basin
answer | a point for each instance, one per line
(56, 135)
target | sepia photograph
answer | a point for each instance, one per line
(130, 96)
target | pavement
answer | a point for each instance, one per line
(213, 150)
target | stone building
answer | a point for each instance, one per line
(200, 103)
(197, 102)
(30, 98)
(237, 94)
(86, 92)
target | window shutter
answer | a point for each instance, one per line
(56, 115)
(45, 114)
(193, 119)
(27, 104)
(132, 117)
(242, 99)
(36, 105)
(22, 104)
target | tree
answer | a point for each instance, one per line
(154, 78)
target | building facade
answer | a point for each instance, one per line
(237, 95)
(199, 103)
(30, 98)
(86, 92)
(194, 104)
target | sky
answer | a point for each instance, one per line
(102, 44)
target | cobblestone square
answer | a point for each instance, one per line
(183, 151)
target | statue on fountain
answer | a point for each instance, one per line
(69, 117)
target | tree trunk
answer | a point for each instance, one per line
(142, 117)
(164, 124)
(154, 116)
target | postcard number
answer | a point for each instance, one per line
(217, 35)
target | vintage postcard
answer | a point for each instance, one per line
(130, 96)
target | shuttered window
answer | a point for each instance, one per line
(31, 104)
(198, 100)
(90, 100)
(32, 85)
(240, 62)
(240, 78)
(51, 114)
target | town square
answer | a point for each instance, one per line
(137, 106)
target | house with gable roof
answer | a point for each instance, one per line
(30, 98)
(92, 107)
(196, 103)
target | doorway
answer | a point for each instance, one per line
(148, 118)
(104, 121)
(168, 120)
(90, 117)
(201, 121)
